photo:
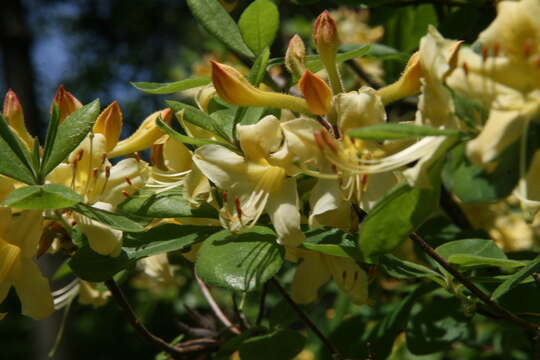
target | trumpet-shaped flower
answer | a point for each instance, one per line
(19, 237)
(256, 182)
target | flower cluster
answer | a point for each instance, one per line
(282, 160)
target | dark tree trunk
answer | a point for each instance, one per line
(16, 45)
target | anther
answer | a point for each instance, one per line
(137, 156)
(125, 193)
(527, 47)
(485, 52)
(107, 171)
(128, 180)
(318, 140)
(465, 69)
(225, 196)
(95, 172)
(496, 49)
(80, 155)
(329, 141)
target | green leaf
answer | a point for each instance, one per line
(472, 112)
(479, 247)
(52, 130)
(475, 261)
(70, 133)
(166, 238)
(198, 118)
(15, 158)
(279, 345)
(401, 211)
(332, 242)
(385, 332)
(187, 139)
(472, 183)
(402, 269)
(116, 221)
(171, 87)
(436, 325)
(399, 131)
(215, 19)
(257, 71)
(239, 261)
(48, 196)
(92, 266)
(473, 253)
(517, 278)
(259, 24)
(166, 204)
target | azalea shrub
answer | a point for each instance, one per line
(354, 200)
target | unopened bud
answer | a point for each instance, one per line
(232, 87)
(204, 96)
(408, 84)
(13, 113)
(144, 137)
(325, 36)
(67, 103)
(295, 57)
(317, 94)
(109, 123)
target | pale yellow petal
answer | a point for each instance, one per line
(25, 232)
(33, 291)
(350, 277)
(310, 275)
(328, 207)
(283, 210)
(358, 108)
(176, 155)
(260, 139)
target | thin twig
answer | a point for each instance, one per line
(262, 303)
(472, 288)
(175, 351)
(215, 307)
(362, 74)
(333, 350)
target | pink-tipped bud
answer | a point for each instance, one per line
(325, 36)
(316, 92)
(109, 124)
(295, 57)
(67, 103)
(14, 115)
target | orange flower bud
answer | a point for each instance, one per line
(67, 103)
(14, 115)
(231, 85)
(144, 137)
(318, 95)
(109, 123)
(325, 36)
(295, 57)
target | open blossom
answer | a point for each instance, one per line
(256, 182)
(19, 237)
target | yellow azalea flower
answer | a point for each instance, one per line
(88, 172)
(256, 182)
(342, 177)
(315, 269)
(179, 170)
(89, 294)
(19, 237)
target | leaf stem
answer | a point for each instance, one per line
(333, 350)
(472, 288)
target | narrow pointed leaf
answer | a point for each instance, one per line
(70, 133)
(217, 21)
(398, 131)
(48, 196)
(116, 221)
(171, 87)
